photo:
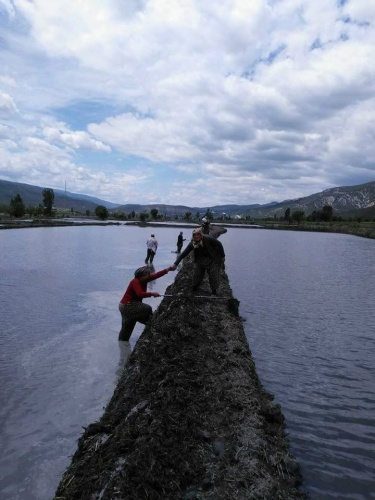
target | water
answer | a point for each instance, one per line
(308, 300)
(308, 303)
(59, 354)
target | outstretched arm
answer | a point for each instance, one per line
(187, 250)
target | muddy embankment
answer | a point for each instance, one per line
(189, 418)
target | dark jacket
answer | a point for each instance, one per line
(206, 227)
(212, 245)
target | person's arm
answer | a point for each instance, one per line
(187, 250)
(159, 274)
(139, 292)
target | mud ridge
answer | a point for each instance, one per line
(189, 418)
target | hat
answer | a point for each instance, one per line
(197, 230)
(141, 271)
(152, 236)
(204, 219)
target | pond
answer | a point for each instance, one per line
(307, 299)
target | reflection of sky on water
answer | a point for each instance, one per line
(308, 303)
(60, 358)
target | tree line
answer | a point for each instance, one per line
(17, 207)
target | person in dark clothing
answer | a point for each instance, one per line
(209, 256)
(180, 240)
(205, 226)
(131, 307)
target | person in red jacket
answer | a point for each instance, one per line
(131, 306)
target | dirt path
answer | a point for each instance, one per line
(189, 418)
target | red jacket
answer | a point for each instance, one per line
(137, 290)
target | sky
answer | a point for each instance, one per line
(188, 102)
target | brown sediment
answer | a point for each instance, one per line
(189, 418)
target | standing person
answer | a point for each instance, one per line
(180, 240)
(152, 246)
(205, 226)
(209, 256)
(131, 306)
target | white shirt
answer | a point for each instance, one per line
(152, 244)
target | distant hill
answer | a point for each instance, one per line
(344, 201)
(33, 196)
(347, 201)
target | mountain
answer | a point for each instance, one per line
(347, 201)
(33, 196)
(344, 200)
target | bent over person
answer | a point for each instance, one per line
(209, 256)
(131, 306)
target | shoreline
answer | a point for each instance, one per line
(189, 418)
(363, 229)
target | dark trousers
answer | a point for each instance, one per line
(150, 255)
(130, 314)
(213, 271)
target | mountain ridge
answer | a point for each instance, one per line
(345, 200)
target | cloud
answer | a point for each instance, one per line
(75, 140)
(212, 102)
(7, 106)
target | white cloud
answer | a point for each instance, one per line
(7, 105)
(75, 140)
(247, 101)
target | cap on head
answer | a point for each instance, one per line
(198, 230)
(204, 219)
(152, 236)
(141, 271)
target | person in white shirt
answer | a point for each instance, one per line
(152, 246)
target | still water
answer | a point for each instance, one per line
(308, 300)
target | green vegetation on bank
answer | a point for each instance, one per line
(364, 229)
(323, 220)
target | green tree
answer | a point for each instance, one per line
(187, 215)
(101, 212)
(88, 213)
(209, 215)
(143, 216)
(154, 213)
(48, 199)
(287, 214)
(17, 206)
(34, 211)
(298, 215)
(327, 212)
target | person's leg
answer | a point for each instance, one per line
(152, 255)
(214, 277)
(142, 312)
(198, 275)
(148, 255)
(128, 324)
(130, 314)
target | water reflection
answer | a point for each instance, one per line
(308, 301)
(125, 351)
(312, 334)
